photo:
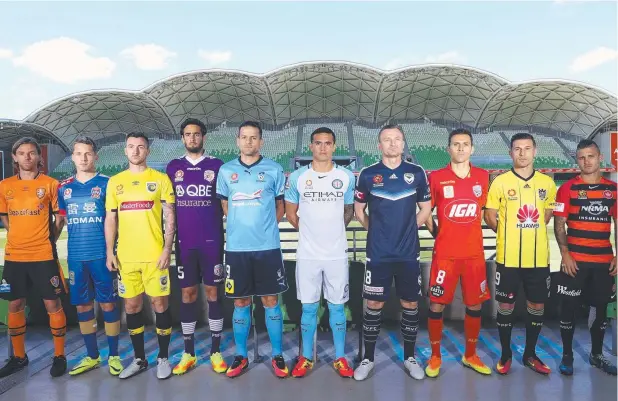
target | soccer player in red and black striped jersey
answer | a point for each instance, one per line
(586, 205)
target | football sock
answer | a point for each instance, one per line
(534, 323)
(88, 328)
(504, 320)
(372, 319)
(17, 330)
(308, 324)
(409, 329)
(112, 329)
(567, 329)
(58, 326)
(215, 323)
(337, 322)
(135, 325)
(188, 320)
(472, 328)
(164, 331)
(597, 330)
(274, 326)
(241, 326)
(434, 326)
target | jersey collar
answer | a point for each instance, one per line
(196, 161)
(449, 167)
(522, 178)
(87, 181)
(35, 177)
(252, 165)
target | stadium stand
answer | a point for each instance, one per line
(340, 130)
(366, 143)
(428, 144)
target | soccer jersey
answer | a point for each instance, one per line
(588, 209)
(251, 212)
(198, 210)
(29, 205)
(392, 195)
(321, 198)
(138, 199)
(83, 204)
(459, 203)
(521, 238)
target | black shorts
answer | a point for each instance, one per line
(45, 277)
(199, 265)
(379, 279)
(536, 284)
(258, 273)
(593, 283)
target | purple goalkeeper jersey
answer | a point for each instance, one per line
(199, 216)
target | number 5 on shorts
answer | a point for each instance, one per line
(181, 273)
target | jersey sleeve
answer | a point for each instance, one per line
(562, 200)
(62, 205)
(361, 193)
(3, 205)
(53, 195)
(494, 195)
(291, 188)
(348, 197)
(423, 193)
(222, 188)
(485, 189)
(167, 190)
(111, 202)
(550, 201)
(432, 189)
(279, 184)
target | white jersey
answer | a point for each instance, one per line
(321, 198)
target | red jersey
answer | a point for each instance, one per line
(460, 202)
(588, 209)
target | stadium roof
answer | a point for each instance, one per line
(332, 90)
(11, 130)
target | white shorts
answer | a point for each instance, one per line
(331, 275)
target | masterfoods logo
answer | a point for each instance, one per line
(136, 205)
(528, 217)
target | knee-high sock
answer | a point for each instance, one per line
(534, 324)
(567, 328)
(472, 328)
(112, 329)
(308, 324)
(372, 319)
(188, 320)
(215, 323)
(58, 326)
(164, 331)
(17, 330)
(241, 326)
(274, 326)
(88, 328)
(338, 322)
(434, 326)
(409, 329)
(504, 321)
(135, 325)
(597, 330)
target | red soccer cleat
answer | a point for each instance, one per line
(239, 366)
(342, 367)
(534, 363)
(503, 368)
(303, 366)
(279, 366)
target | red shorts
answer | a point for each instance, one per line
(446, 272)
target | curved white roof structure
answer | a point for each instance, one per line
(332, 90)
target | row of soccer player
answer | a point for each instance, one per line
(116, 236)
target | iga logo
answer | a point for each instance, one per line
(462, 211)
(528, 217)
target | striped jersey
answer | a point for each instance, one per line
(588, 209)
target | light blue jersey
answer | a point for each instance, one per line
(251, 212)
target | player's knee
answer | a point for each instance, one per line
(506, 306)
(159, 304)
(17, 305)
(107, 306)
(189, 295)
(242, 302)
(335, 308)
(52, 305)
(536, 306)
(269, 301)
(437, 308)
(375, 304)
(212, 293)
(84, 308)
(311, 309)
(408, 304)
(476, 307)
(133, 305)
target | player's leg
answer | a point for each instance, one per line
(337, 293)
(308, 289)
(600, 291)
(507, 285)
(569, 290)
(14, 289)
(408, 284)
(475, 292)
(270, 281)
(189, 279)
(212, 276)
(537, 283)
(157, 287)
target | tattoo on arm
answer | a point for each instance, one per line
(348, 214)
(170, 224)
(560, 232)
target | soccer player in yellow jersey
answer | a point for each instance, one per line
(519, 205)
(136, 200)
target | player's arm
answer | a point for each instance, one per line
(5, 221)
(169, 217)
(348, 199)
(432, 226)
(423, 194)
(361, 196)
(360, 211)
(568, 265)
(291, 213)
(280, 209)
(59, 223)
(613, 271)
(494, 198)
(550, 201)
(224, 206)
(280, 191)
(222, 190)
(59, 220)
(111, 231)
(424, 213)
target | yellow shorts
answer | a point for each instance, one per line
(136, 278)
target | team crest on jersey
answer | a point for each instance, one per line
(9, 194)
(209, 175)
(41, 206)
(40, 192)
(449, 192)
(581, 194)
(178, 177)
(55, 281)
(95, 193)
(542, 194)
(151, 186)
(337, 184)
(67, 193)
(234, 178)
(260, 176)
(478, 190)
(408, 178)
(608, 194)
(119, 189)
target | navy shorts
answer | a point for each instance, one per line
(258, 273)
(199, 265)
(379, 279)
(91, 280)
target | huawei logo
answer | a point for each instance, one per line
(528, 217)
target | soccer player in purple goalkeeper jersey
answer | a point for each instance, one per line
(199, 241)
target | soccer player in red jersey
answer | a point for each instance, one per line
(459, 192)
(586, 204)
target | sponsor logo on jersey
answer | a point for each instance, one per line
(84, 220)
(449, 192)
(119, 190)
(437, 291)
(179, 190)
(377, 180)
(151, 186)
(308, 184)
(572, 293)
(67, 193)
(260, 176)
(5, 287)
(322, 196)
(478, 190)
(408, 178)
(9, 194)
(559, 207)
(371, 290)
(528, 217)
(527, 186)
(179, 176)
(136, 205)
(241, 196)
(40, 192)
(24, 212)
(608, 195)
(209, 175)
(512, 194)
(234, 178)
(337, 184)
(95, 193)
(393, 177)
(462, 211)
(582, 194)
(135, 183)
(72, 208)
(194, 190)
(90, 207)
(359, 194)
(542, 194)
(595, 208)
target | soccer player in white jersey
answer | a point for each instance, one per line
(323, 194)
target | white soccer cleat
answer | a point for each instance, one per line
(164, 369)
(364, 370)
(413, 367)
(137, 366)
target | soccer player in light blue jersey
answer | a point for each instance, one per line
(251, 192)
(81, 200)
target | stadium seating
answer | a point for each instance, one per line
(280, 146)
(366, 144)
(428, 144)
(340, 130)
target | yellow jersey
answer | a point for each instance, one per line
(138, 199)
(521, 238)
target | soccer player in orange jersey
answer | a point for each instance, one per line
(459, 192)
(28, 205)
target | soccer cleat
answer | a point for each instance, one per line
(85, 365)
(342, 367)
(433, 366)
(503, 367)
(414, 369)
(279, 366)
(364, 370)
(303, 366)
(59, 366)
(239, 365)
(566, 366)
(136, 367)
(164, 370)
(534, 363)
(599, 361)
(14, 365)
(474, 362)
(115, 365)
(218, 363)
(187, 362)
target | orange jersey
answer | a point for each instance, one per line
(459, 203)
(588, 209)
(29, 206)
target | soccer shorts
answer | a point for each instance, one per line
(314, 275)
(379, 279)
(199, 265)
(445, 273)
(46, 277)
(258, 273)
(91, 280)
(136, 278)
(536, 284)
(593, 283)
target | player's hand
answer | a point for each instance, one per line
(112, 263)
(164, 260)
(568, 265)
(612, 268)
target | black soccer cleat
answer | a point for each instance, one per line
(14, 365)
(599, 361)
(59, 366)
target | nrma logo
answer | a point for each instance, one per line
(528, 217)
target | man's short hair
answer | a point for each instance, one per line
(588, 143)
(520, 136)
(323, 130)
(192, 121)
(253, 124)
(86, 140)
(460, 131)
(391, 126)
(139, 135)
(25, 141)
